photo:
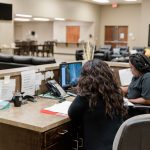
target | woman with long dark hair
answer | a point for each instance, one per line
(98, 108)
(138, 91)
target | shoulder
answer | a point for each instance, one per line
(81, 99)
(146, 75)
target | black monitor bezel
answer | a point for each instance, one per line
(60, 66)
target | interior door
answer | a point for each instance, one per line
(72, 34)
(116, 35)
(123, 35)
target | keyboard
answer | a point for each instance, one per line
(71, 94)
(72, 91)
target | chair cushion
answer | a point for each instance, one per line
(22, 59)
(6, 58)
(42, 60)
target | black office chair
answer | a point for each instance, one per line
(124, 51)
(103, 52)
(133, 134)
(79, 55)
(106, 47)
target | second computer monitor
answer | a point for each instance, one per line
(69, 74)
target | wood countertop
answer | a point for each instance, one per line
(38, 68)
(28, 116)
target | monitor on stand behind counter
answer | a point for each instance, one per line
(69, 74)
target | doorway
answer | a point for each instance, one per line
(72, 34)
(116, 35)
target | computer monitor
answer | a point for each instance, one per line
(69, 74)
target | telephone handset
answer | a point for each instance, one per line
(55, 88)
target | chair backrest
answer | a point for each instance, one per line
(133, 134)
(116, 51)
(139, 49)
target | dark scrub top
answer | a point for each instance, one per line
(99, 130)
(139, 87)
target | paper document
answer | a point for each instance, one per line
(127, 102)
(4, 104)
(125, 76)
(28, 82)
(60, 108)
(7, 89)
(38, 80)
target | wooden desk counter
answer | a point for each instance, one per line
(26, 128)
(28, 116)
(38, 68)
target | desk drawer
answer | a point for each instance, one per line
(58, 134)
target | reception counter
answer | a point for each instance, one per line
(26, 128)
(28, 116)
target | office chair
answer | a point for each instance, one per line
(124, 51)
(133, 134)
(103, 52)
(79, 55)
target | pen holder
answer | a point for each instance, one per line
(17, 101)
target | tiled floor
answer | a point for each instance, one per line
(64, 57)
(65, 54)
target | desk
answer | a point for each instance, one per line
(26, 128)
(137, 109)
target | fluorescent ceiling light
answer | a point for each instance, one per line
(61, 19)
(101, 1)
(130, 0)
(41, 19)
(24, 15)
(22, 19)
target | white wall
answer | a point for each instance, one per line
(43, 30)
(145, 21)
(135, 16)
(69, 9)
(86, 28)
(6, 33)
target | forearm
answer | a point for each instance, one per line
(124, 90)
(140, 101)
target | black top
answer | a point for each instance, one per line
(139, 87)
(99, 130)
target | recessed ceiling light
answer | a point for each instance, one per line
(41, 19)
(101, 1)
(61, 19)
(130, 0)
(24, 15)
(22, 19)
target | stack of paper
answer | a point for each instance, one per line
(127, 102)
(125, 76)
(60, 108)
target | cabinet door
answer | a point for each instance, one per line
(61, 145)
(58, 138)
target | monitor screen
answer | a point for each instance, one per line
(69, 74)
(5, 11)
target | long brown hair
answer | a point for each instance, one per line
(97, 79)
